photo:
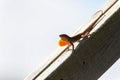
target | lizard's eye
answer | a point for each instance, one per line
(62, 42)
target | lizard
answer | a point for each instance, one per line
(67, 40)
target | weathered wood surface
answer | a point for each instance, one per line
(92, 56)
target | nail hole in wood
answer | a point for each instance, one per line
(83, 62)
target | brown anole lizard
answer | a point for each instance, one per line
(84, 34)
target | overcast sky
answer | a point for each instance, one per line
(29, 32)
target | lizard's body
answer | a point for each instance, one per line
(77, 37)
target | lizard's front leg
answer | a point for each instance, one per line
(72, 46)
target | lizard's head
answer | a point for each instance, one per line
(64, 40)
(64, 37)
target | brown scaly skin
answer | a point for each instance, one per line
(71, 40)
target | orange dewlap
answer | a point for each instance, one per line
(62, 43)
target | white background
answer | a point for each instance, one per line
(29, 32)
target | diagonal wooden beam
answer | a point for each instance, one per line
(92, 56)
